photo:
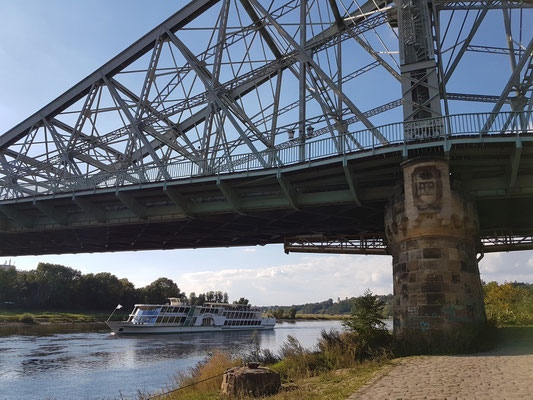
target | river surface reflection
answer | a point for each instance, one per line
(93, 364)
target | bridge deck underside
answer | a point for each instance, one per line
(335, 196)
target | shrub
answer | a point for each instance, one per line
(27, 318)
(508, 305)
(367, 332)
(261, 356)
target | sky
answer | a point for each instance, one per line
(47, 47)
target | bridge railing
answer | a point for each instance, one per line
(412, 132)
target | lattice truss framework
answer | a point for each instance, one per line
(223, 80)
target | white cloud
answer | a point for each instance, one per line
(502, 267)
(312, 279)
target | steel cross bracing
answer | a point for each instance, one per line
(376, 243)
(227, 85)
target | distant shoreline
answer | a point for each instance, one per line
(314, 317)
(52, 323)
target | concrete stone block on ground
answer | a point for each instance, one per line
(250, 380)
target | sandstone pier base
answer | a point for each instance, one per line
(433, 234)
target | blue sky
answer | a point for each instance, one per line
(46, 47)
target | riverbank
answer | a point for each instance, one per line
(330, 385)
(46, 317)
(386, 378)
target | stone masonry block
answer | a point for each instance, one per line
(427, 265)
(435, 298)
(431, 287)
(412, 266)
(431, 253)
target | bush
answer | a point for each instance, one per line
(261, 356)
(367, 332)
(508, 305)
(27, 318)
(297, 362)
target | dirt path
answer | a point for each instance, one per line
(504, 373)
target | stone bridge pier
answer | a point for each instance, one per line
(433, 236)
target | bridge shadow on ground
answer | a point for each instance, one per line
(512, 341)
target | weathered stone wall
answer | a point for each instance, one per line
(433, 234)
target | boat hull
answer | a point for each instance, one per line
(120, 327)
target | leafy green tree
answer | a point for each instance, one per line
(129, 296)
(160, 290)
(242, 301)
(56, 285)
(366, 316)
(101, 291)
(8, 278)
(292, 313)
(201, 299)
(365, 323)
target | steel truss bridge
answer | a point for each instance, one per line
(246, 122)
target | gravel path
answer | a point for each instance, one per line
(505, 373)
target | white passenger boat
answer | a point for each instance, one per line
(180, 317)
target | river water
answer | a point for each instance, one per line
(76, 363)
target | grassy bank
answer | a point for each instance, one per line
(329, 385)
(53, 317)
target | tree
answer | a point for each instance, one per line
(366, 326)
(201, 299)
(160, 290)
(8, 278)
(56, 285)
(242, 301)
(292, 313)
(129, 296)
(101, 291)
(366, 316)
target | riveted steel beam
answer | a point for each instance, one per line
(51, 211)
(93, 210)
(182, 204)
(231, 196)
(132, 204)
(288, 189)
(12, 213)
(351, 180)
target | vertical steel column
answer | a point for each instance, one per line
(302, 116)
(420, 87)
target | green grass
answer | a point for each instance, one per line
(56, 317)
(331, 385)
